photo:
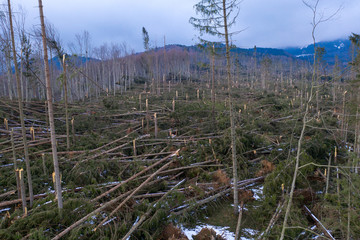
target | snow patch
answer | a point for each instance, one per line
(223, 231)
(341, 45)
(7, 165)
(304, 55)
(258, 193)
(4, 210)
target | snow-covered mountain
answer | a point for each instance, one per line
(340, 48)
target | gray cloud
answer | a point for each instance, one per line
(268, 23)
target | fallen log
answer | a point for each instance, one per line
(133, 193)
(7, 194)
(108, 144)
(273, 219)
(113, 149)
(16, 201)
(243, 183)
(134, 176)
(280, 119)
(147, 214)
(319, 224)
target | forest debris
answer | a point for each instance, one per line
(220, 178)
(318, 223)
(226, 190)
(113, 149)
(135, 191)
(246, 195)
(170, 232)
(304, 196)
(280, 119)
(138, 221)
(7, 193)
(267, 167)
(273, 219)
(318, 176)
(207, 234)
(135, 176)
(16, 201)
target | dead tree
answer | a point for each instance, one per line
(21, 112)
(50, 110)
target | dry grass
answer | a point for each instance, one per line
(267, 167)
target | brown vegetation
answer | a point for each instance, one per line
(220, 178)
(171, 232)
(304, 196)
(207, 234)
(267, 167)
(246, 195)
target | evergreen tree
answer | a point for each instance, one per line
(217, 16)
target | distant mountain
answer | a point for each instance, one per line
(339, 48)
(220, 48)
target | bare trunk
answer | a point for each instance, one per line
(20, 175)
(213, 84)
(50, 110)
(297, 162)
(15, 164)
(66, 106)
(232, 123)
(8, 66)
(23, 130)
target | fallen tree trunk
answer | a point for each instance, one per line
(273, 220)
(113, 149)
(133, 193)
(134, 176)
(243, 183)
(7, 194)
(147, 214)
(319, 224)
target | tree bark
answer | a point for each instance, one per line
(66, 106)
(21, 112)
(50, 110)
(15, 164)
(232, 123)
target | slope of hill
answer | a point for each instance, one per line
(340, 48)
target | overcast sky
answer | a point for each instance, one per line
(268, 23)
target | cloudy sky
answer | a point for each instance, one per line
(267, 23)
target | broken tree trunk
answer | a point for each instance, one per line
(135, 191)
(135, 176)
(21, 112)
(50, 109)
(319, 224)
(147, 214)
(238, 225)
(15, 164)
(66, 106)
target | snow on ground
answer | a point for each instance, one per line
(4, 210)
(223, 231)
(258, 192)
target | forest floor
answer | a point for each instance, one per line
(160, 169)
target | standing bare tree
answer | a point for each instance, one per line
(316, 20)
(6, 49)
(21, 112)
(50, 110)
